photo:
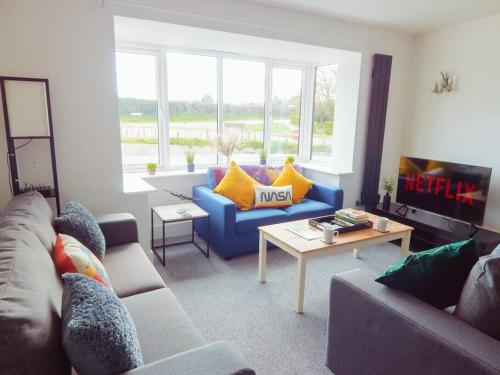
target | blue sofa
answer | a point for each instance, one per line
(234, 232)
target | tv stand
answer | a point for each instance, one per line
(433, 230)
(402, 210)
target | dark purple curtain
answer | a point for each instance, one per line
(381, 76)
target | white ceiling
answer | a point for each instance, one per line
(411, 16)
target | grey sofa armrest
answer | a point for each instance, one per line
(118, 229)
(214, 359)
(377, 330)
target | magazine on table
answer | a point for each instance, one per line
(305, 231)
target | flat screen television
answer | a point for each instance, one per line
(458, 191)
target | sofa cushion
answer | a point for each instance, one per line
(78, 222)
(162, 325)
(130, 271)
(264, 174)
(479, 303)
(237, 186)
(31, 211)
(308, 208)
(30, 306)
(249, 221)
(73, 257)
(300, 184)
(273, 197)
(99, 335)
(435, 276)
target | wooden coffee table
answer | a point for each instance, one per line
(303, 249)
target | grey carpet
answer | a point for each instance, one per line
(226, 302)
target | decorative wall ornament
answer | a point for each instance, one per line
(445, 84)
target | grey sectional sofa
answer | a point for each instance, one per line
(31, 291)
(373, 329)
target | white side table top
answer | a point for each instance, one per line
(169, 213)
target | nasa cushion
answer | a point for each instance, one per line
(269, 196)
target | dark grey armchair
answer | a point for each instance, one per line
(373, 329)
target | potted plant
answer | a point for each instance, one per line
(151, 168)
(263, 157)
(388, 187)
(190, 160)
(290, 159)
(227, 145)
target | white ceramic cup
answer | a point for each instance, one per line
(329, 233)
(382, 224)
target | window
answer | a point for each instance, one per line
(138, 107)
(323, 112)
(244, 87)
(175, 100)
(286, 103)
(192, 107)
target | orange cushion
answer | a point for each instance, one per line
(300, 184)
(238, 186)
(73, 257)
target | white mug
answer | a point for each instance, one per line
(329, 233)
(382, 224)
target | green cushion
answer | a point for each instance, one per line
(435, 276)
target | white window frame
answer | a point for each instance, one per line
(313, 99)
(306, 109)
(159, 95)
(269, 102)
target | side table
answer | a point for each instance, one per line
(169, 215)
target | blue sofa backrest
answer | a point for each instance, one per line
(265, 174)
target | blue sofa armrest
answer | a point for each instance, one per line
(222, 214)
(328, 194)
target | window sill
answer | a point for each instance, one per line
(138, 182)
(134, 183)
(173, 173)
(325, 169)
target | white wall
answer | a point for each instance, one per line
(462, 126)
(72, 44)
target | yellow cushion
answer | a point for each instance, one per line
(238, 186)
(300, 184)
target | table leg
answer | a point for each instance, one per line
(152, 232)
(192, 230)
(163, 237)
(262, 257)
(405, 244)
(355, 253)
(301, 278)
(208, 236)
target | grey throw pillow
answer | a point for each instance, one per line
(479, 303)
(98, 333)
(78, 222)
(496, 251)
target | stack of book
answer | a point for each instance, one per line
(349, 216)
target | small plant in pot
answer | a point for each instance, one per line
(151, 168)
(263, 157)
(190, 160)
(387, 186)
